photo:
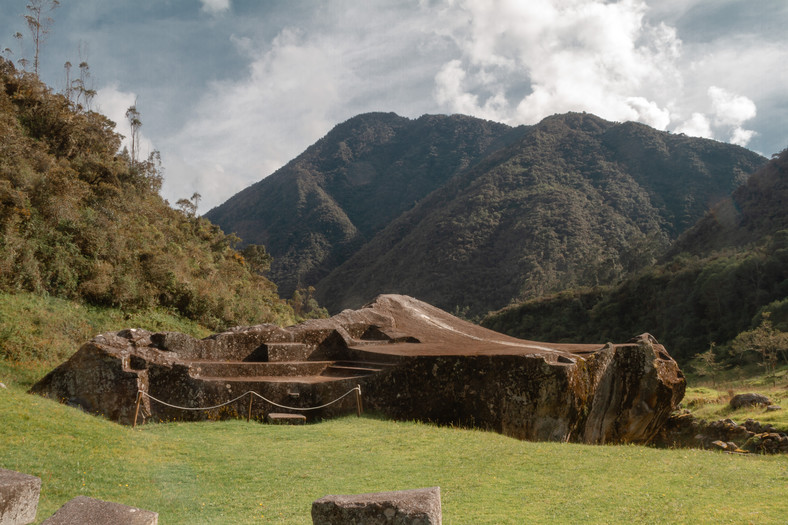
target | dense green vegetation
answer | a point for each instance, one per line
(727, 275)
(565, 206)
(471, 215)
(238, 472)
(320, 208)
(686, 304)
(79, 220)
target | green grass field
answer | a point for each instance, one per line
(235, 472)
(710, 401)
(238, 472)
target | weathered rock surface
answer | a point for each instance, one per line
(88, 511)
(412, 360)
(748, 400)
(403, 507)
(18, 497)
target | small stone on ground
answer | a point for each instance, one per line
(404, 507)
(88, 511)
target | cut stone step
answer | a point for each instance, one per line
(277, 418)
(212, 369)
(380, 365)
(349, 371)
(273, 379)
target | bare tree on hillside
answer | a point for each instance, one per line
(82, 86)
(39, 24)
(22, 60)
(69, 86)
(134, 121)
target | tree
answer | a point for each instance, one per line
(708, 363)
(69, 87)
(765, 340)
(135, 123)
(39, 24)
(257, 258)
(82, 87)
(305, 305)
(189, 206)
(22, 61)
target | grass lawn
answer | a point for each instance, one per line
(710, 401)
(238, 472)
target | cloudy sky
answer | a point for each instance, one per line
(230, 90)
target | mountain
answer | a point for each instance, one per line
(720, 278)
(320, 208)
(754, 211)
(81, 221)
(471, 215)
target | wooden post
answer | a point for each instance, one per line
(249, 415)
(137, 408)
(359, 408)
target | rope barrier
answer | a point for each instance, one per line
(356, 389)
(191, 408)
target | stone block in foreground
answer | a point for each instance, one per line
(403, 507)
(88, 511)
(18, 497)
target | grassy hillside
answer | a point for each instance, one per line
(578, 201)
(38, 333)
(726, 273)
(709, 397)
(79, 220)
(238, 472)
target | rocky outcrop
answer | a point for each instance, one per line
(749, 399)
(411, 360)
(402, 507)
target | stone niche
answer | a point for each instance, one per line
(411, 360)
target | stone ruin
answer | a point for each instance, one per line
(411, 360)
(19, 495)
(401, 507)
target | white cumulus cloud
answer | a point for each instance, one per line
(730, 109)
(696, 126)
(522, 61)
(724, 118)
(512, 61)
(243, 130)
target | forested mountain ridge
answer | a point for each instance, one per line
(751, 213)
(82, 221)
(574, 200)
(723, 277)
(320, 208)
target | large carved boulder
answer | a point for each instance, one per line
(412, 361)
